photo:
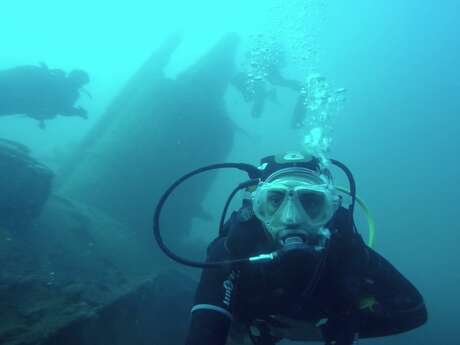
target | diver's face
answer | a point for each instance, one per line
(285, 204)
(291, 206)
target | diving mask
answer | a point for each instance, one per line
(295, 201)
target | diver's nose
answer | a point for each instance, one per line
(290, 214)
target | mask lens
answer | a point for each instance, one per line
(274, 200)
(313, 203)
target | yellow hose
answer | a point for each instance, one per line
(367, 213)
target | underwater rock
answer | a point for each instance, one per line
(156, 312)
(25, 185)
(71, 262)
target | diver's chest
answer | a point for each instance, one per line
(296, 295)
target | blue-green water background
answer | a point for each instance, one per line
(398, 131)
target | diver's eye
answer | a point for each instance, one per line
(275, 198)
(312, 203)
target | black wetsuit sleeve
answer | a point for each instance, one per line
(207, 327)
(400, 306)
(211, 315)
(373, 298)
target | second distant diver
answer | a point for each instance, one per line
(41, 93)
(256, 88)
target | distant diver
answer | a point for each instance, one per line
(41, 93)
(255, 88)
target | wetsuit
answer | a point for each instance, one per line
(341, 292)
(38, 92)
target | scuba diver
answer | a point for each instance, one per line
(290, 263)
(41, 93)
(255, 88)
